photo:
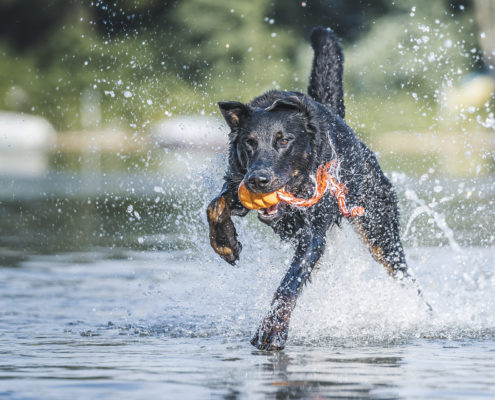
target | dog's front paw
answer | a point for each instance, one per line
(224, 244)
(274, 329)
(271, 335)
(223, 236)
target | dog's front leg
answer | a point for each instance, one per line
(223, 236)
(273, 331)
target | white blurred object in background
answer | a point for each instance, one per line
(25, 143)
(191, 143)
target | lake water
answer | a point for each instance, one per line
(102, 300)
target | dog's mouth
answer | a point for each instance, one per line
(271, 213)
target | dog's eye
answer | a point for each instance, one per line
(281, 141)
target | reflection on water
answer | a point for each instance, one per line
(63, 212)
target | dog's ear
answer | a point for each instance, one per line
(300, 106)
(233, 112)
(290, 103)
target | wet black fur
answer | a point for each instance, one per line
(259, 155)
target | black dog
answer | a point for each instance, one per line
(279, 140)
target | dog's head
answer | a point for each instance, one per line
(272, 147)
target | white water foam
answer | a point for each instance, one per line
(351, 298)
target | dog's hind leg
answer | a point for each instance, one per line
(380, 234)
(273, 331)
(380, 230)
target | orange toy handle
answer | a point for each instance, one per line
(323, 179)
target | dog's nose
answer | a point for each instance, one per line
(259, 180)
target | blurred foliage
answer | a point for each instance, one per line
(87, 64)
(409, 60)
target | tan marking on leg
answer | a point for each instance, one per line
(376, 251)
(222, 250)
(215, 209)
(234, 116)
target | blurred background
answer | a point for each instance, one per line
(110, 134)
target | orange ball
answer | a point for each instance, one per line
(255, 201)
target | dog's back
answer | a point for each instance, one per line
(325, 83)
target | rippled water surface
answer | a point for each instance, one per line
(128, 324)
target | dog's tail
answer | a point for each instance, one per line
(325, 82)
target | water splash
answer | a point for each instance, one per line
(439, 219)
(351, 298)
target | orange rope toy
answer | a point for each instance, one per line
(324, 181)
